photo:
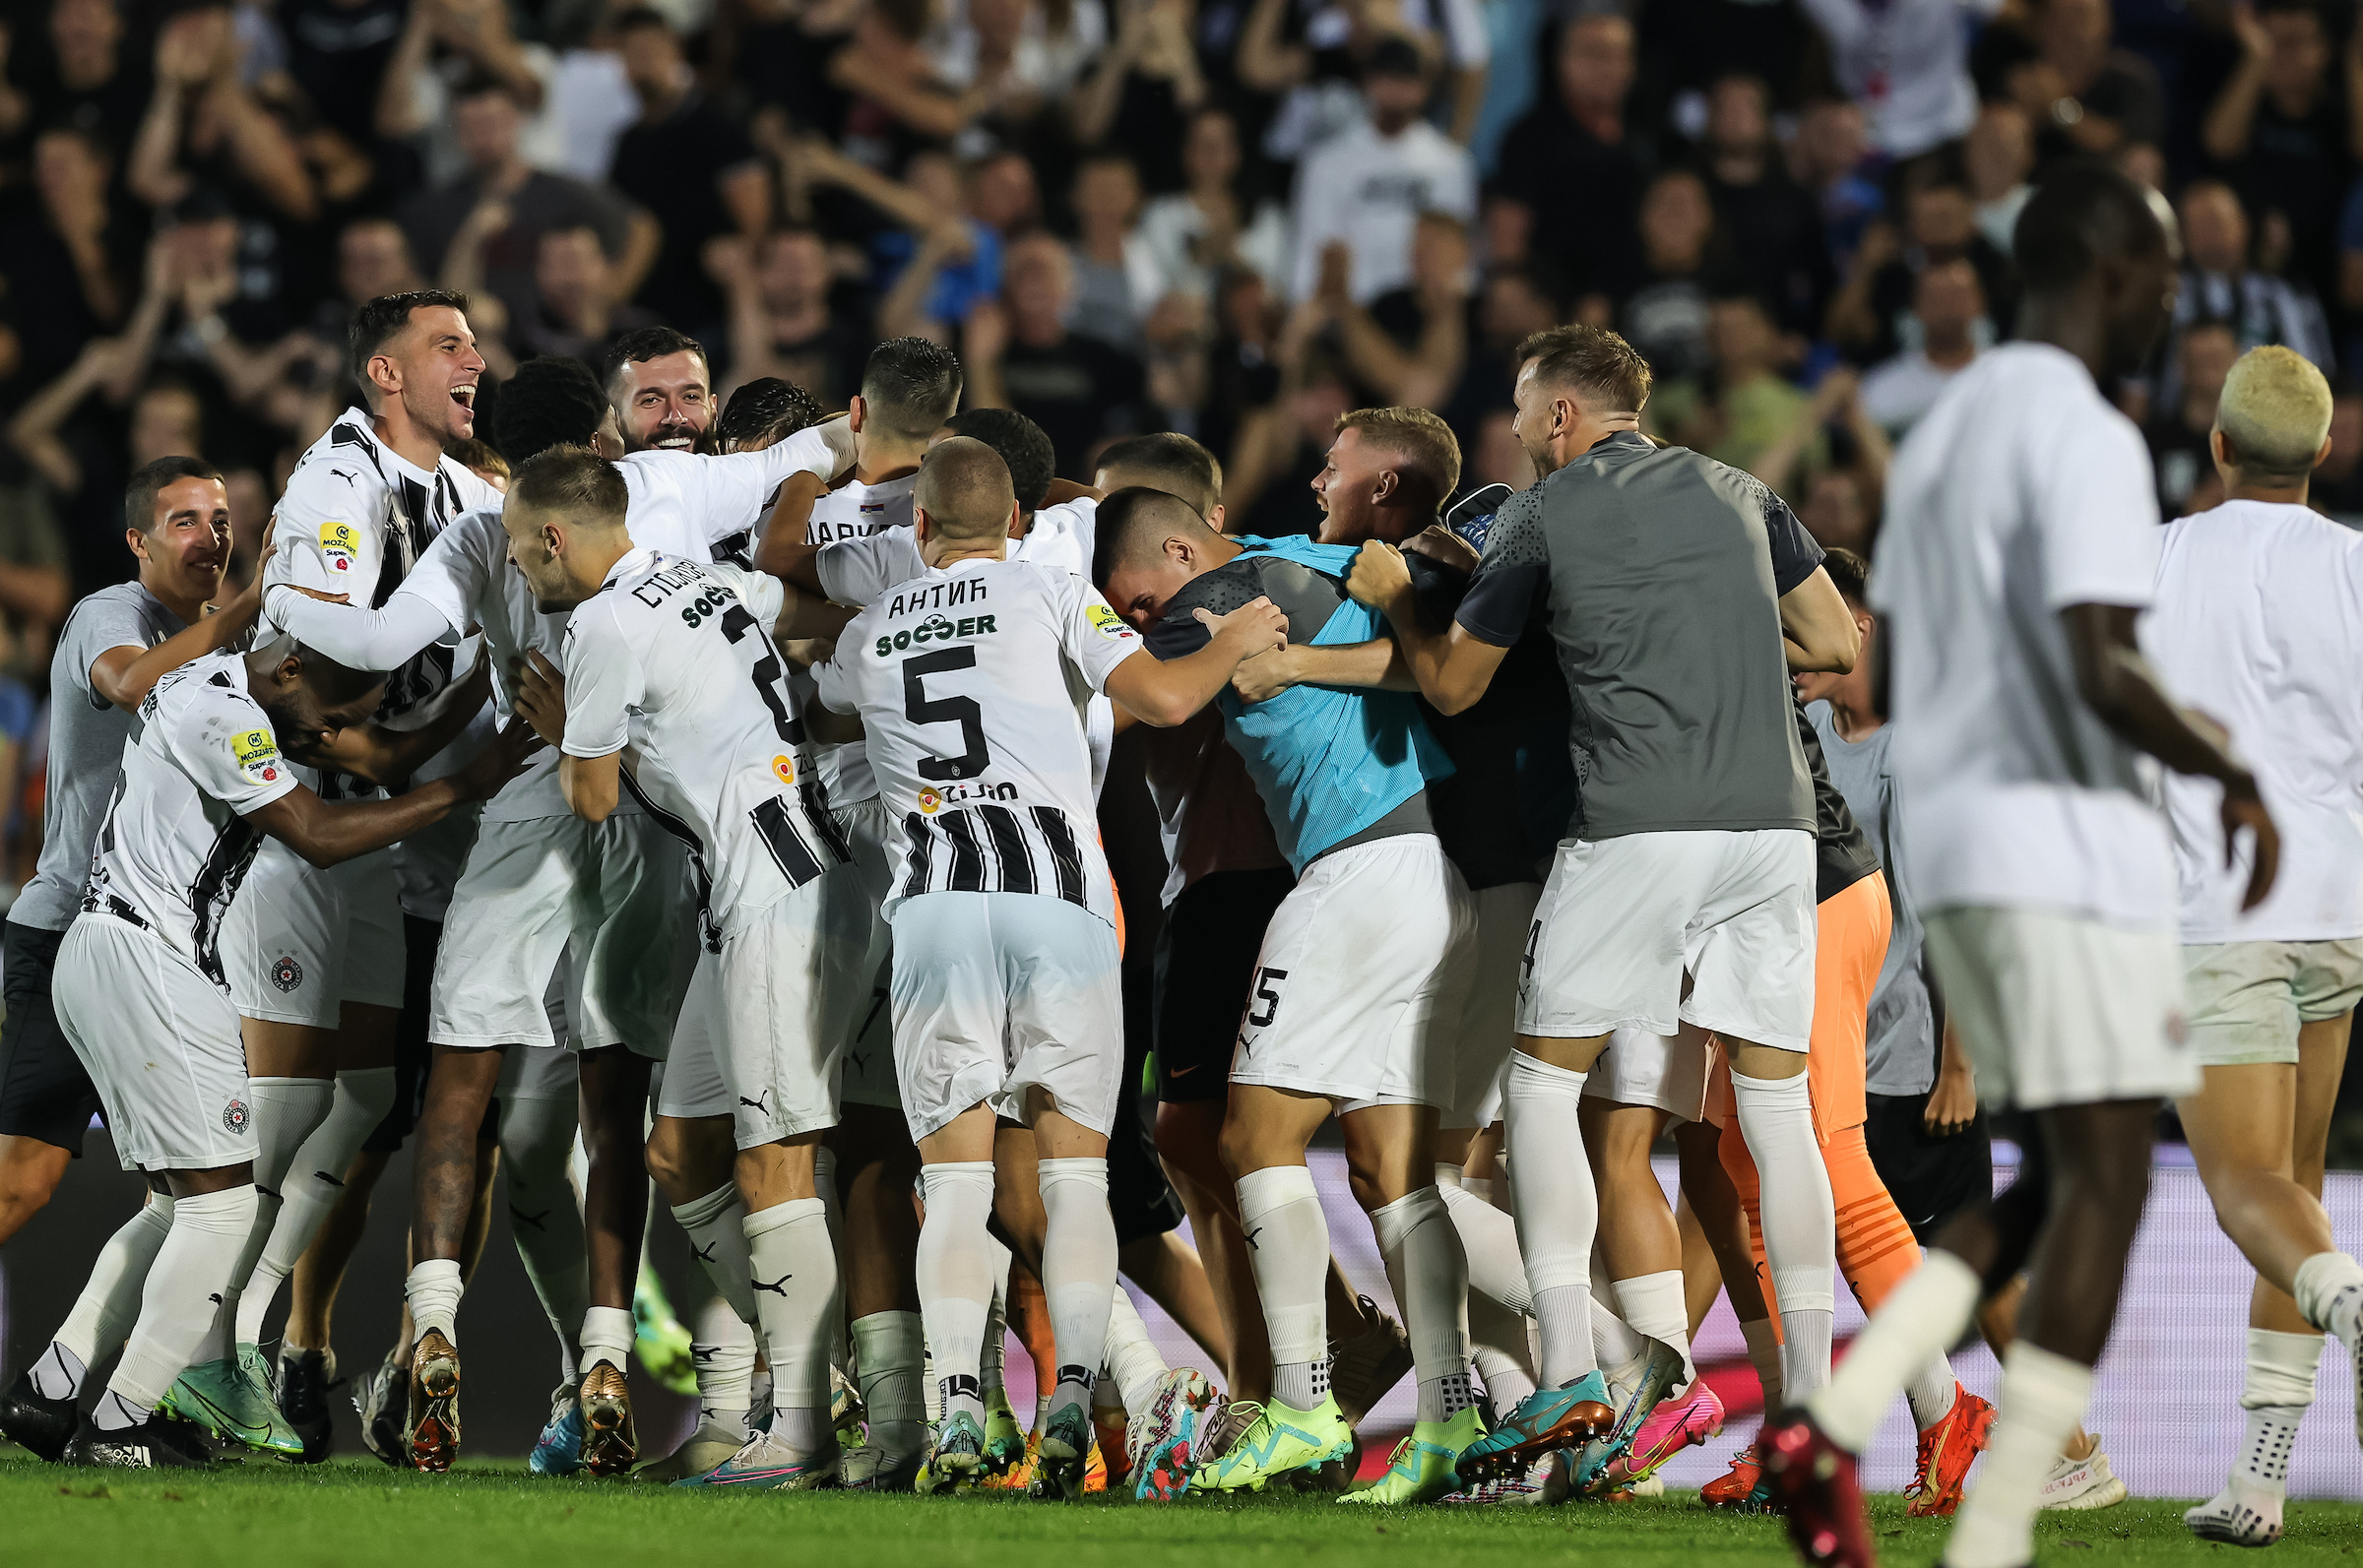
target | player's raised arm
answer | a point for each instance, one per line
(1166, 691)
(1453, 667)
(387, 756)
(432, 604)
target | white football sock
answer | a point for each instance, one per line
(1489, 1238)
(993, 1352)
(2042, 1403)
(1613, 1339)
(1430, 1276)
(1287, 1248)
(1134, 1364)
(433, 1293)
(191, 1268)
(1930, 1391)
(824, 1187)
(1655, 1304)
(717, 1227)
(888, 1347)
(285, 1112)
(536, 1142)
(1557, 1210)
(1800, 1221)
(955, 1279)
(1763, 1354)
(2321, 1289)
(795, 1270)
(2275, 1393)
(1480, 1188)
(1927, 1311)
(608, 1334)
(724, 1352)
(314, 1181)
(109, 1304)
(1078, 1270)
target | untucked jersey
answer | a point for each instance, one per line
(2259, 624)
(175, 843)
(1332, 766)
(857, 511)
(87, 737)
(2020, 493)
(1661, 573)
(971, 681)
(1842, 852)
(672, 663)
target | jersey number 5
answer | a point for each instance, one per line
(920, 709)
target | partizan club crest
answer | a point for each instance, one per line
(286, 974)
(234, 1116)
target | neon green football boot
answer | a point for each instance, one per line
(231, 1399)
(659, 1340)
(1280, 1444)
(1422, 1472)
(1006, 1446)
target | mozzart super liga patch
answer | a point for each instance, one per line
(257, 751)
(339, 543)
(1108, 622)
(783, 767)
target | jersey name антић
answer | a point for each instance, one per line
(174, 846)
(674, 659)
(971, 683)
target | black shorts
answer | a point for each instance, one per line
(1143, 1202)
(411, 1054)
(45, 1091)
(1207, 953)
(1930, 1177)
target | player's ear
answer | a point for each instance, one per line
(1214, 519)
(137, 542)
(1016, 518)
(857, 413)
(1178, 550)
(1389, 483)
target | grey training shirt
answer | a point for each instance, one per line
(1662, 572)
(1901, 1039)
(87, 737)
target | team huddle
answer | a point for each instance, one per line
(725, 812)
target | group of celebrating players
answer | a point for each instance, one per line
(1501, 831)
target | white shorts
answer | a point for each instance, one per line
(1489, 1022)
(161, 1046)
(616, 899)
(370, 956)
(1624, 919)
(868, 1077)
(1667, 1071)
(1360, 986)
(2249, 999)
(690, 1084)
(996, 992)
(282, 939)
(2057, 1010)
(427, 865)
(786, 989)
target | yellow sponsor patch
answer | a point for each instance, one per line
(929, 801)
(1107, 623)
(257, 752)
(338, 544)
(783, 769)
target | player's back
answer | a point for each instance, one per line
(971, 681)
(2259, 624)
(719, 749)
(2020, 493)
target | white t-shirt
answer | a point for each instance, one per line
(2259, 624)
(1896, 391)
(857, 571)
(673, 658)
(708, 507)
(1369, 190)
(971, 683)
(1907, 62)
(2019, 493)
(175, 843)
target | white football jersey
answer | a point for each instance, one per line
(672, 663)
(707, 507)
(857, 511)
(971, 683)
(355, 520)
(857, 571)
(175, 843)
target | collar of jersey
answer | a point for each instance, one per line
(631, 561)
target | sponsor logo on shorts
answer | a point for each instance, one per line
(234, 1117)
(286, 974)
(1109, 624)
(338, 544)
(257, 753)
(783, 767)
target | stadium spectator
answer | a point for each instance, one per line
(1998, 156)
(2287, 127)
(1021, 354)
(84, 81)
(784, 321)
(1830, 158)
(1906, 62)
(1107, 200)
(1949, 312)
(1369, 185)
(1870, 317)
(2081, 94)
(1186, 238)
(2221, 283)
(1579, 138)
(2204, 355)
(1739, 403)
(1664, 311)
(1772, 228)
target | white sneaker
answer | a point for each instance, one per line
(2083, 1483)
(2237, 1519)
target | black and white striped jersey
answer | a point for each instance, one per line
(857, 511)
(672, 663)
(971, 681)
(174, 845)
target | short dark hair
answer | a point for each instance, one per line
(573, 480)
(548, 403)
(335, 684)
(766, 409)
(1591, 361)
(964, 486)
(910, 386)
(1168, 461)
(1129, 519)
(139, 496)
(1850, 572)
(643, 343)
(632, 19)
(2083, 214)
(1032, 461)
(379, 320)
(480, 456)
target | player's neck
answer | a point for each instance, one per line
(2072, 323)
(406, 440)
(982, 550)
(1850, 711)
(190, 607)
(587, 570)
(2271, 495)
(879, 461)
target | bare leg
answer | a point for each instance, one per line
(320, 1272)
(29, 1171)
(614, 1100)
(1169, 1271)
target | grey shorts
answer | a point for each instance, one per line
(2249, 999)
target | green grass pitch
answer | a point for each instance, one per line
(360, 1514)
